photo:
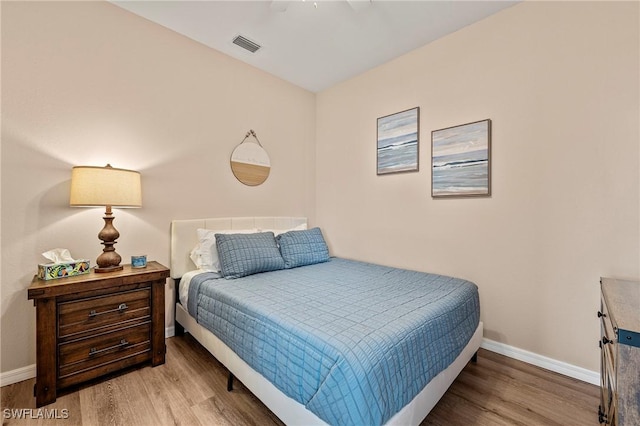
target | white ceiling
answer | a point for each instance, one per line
(315, 44)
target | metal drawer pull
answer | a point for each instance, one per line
(121, 308)
(600, 314)
(605, 341)
(95, 351)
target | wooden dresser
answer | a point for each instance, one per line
(95, 324)
(620, 352)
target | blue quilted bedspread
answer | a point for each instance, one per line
(351, 341)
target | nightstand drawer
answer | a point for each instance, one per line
(87, 354)
(91, 314)
(609, 336)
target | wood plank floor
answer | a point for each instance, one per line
(190, 389)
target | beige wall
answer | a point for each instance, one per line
(86, 83)
(559, 80)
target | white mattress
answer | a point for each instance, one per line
(185, 281)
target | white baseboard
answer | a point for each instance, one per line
(541, 361)
(593, 377)
(169, 331)
(18, 375)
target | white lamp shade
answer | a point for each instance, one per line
(105, 186)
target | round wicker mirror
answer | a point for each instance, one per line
(250, 162)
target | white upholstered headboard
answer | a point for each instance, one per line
(184, 236)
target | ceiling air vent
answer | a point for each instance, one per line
(247, 44)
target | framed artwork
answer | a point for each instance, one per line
(398, 142)
(461, 160)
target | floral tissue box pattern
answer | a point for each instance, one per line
(52, 271)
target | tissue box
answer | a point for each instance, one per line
(51, 271)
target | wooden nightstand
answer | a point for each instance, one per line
(95, 324)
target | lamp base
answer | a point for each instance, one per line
(109, 260)
(108, 269)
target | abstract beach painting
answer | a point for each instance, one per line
(461, 160)
(398, 137)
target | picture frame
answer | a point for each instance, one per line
(461, 160)
(398, 142)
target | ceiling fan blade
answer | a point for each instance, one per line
(359, 5)
(279, 5)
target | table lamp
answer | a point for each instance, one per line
(108, 187)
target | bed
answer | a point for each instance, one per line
(304, 339)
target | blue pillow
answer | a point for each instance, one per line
(299, 248)
(245, 254)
